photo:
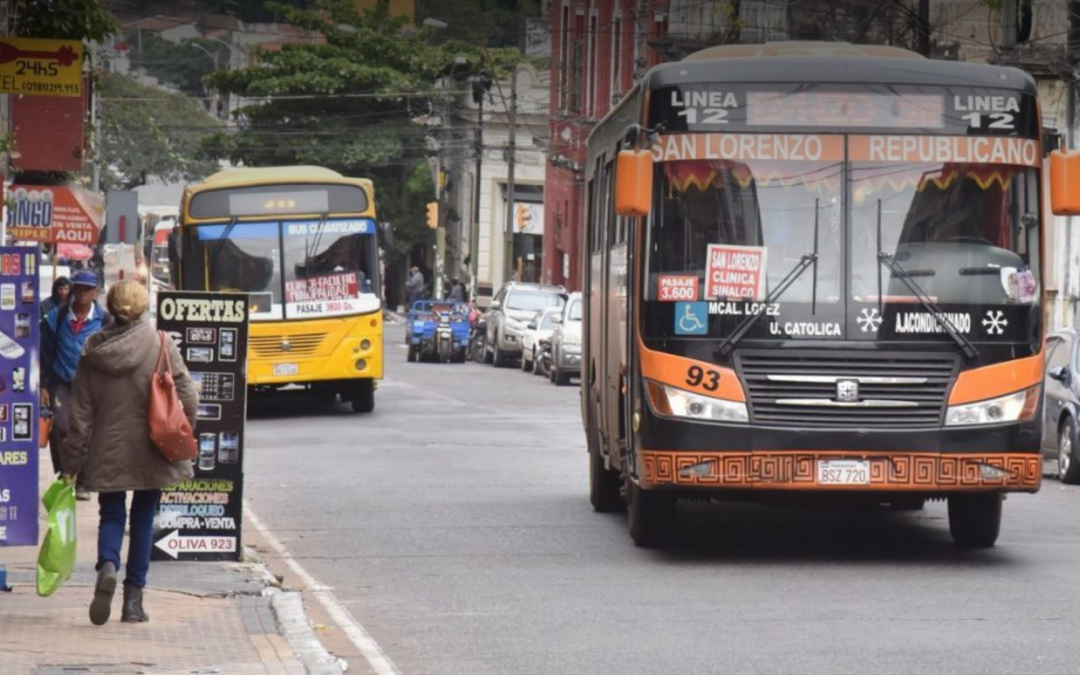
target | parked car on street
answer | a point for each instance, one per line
(1061, 404)
(539, 328)
(509, 313)
(566, 342)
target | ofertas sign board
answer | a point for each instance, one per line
(200, 519)
(735, 272)
(34, 67)
(55, 213)
(18, 396)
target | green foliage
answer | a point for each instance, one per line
(146, 131)
(182, 65)
(496, 23)
(64, 20)
(350, 103)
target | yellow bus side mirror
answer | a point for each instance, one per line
(633, 183)
(1065, 182)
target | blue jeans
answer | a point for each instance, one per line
(113, 510)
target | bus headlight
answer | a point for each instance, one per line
(365, 345)
(671, 402)
(361, 364)
(1018, 407)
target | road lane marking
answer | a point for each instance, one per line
(361, 639)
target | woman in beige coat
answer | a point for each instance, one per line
(109, 447)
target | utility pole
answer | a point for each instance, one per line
(1008, 31)
(511, 158)
(924, 27)
(481, 86)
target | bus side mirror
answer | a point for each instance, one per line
(1065, 182)
(633, 183)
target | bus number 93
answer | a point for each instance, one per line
(709, 380)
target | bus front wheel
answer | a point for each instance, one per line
(649, 515)
(363, 396)
(603, 482)
(975, 519)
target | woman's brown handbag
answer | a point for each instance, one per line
(169, 426)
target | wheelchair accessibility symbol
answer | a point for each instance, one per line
(691, 318)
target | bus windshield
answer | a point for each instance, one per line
(295, 269)
(768, 205)
(959, 234)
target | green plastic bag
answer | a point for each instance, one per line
(56, 559)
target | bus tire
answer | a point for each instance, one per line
(649, 516)
(975, 519)
(603, 482)
(363, 396)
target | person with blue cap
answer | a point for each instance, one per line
(64, 330)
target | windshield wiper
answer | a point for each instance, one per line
(807, 260)
(309, 253)
(905, 277)
(214, 254)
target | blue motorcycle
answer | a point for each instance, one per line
(438, 330)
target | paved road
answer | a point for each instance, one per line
(454, 524)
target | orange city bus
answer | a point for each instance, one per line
(815, 270)
(302, 242)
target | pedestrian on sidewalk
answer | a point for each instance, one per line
(414, 285)
(64, 331)
(61, 289)
(109, 447)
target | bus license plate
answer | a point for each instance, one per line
(843, 472)
(285, 369)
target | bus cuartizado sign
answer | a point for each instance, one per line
(34, 67)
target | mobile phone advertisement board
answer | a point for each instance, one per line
(19, 319)
(200, 519)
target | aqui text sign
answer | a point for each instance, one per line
(35, 67)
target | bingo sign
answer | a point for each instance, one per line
(735, 272)
(18, 396)
(200, 519)
(675, 288)
(55, 214)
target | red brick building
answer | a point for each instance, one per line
(599, 49)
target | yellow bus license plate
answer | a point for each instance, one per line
(285, 369)
(843, 472)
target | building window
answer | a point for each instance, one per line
(764, 20)
(577, 63)
(591, 83)
(616, 56)
(564, 57)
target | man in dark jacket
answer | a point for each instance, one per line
(64, 330)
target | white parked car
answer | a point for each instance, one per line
(566, 342)
(539, 328)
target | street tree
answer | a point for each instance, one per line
(62, 20)
(179, 64)
(352, 103)
(146, 131)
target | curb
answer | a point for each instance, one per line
(293, 623)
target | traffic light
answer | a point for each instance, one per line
(433, 215)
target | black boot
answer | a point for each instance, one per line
(133, 609)
(101, 606)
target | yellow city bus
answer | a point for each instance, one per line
(817, 271)
(303, 242)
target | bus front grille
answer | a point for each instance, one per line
(276, 346)
(849, 390)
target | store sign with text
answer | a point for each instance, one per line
(200, 519)
(18, 396)
(55, 214)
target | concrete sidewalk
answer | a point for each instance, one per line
(205, 617)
